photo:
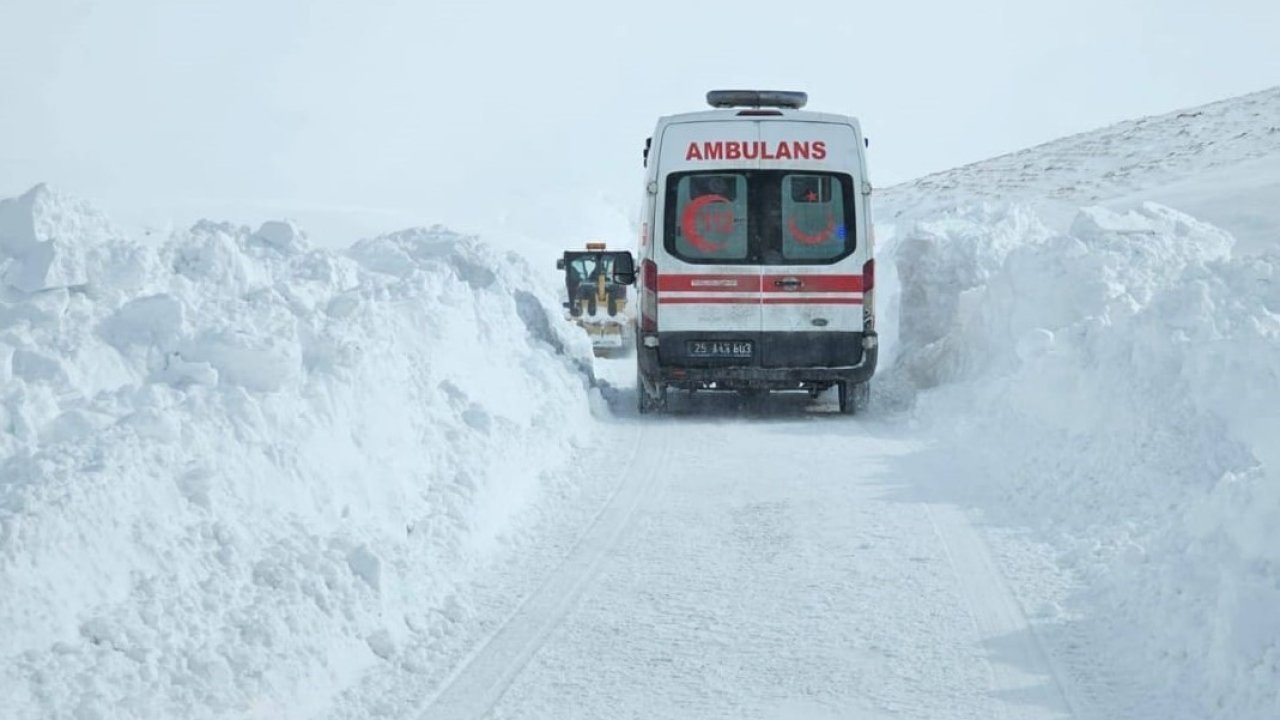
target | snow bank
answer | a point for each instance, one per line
(1119, 387)
(236, 471)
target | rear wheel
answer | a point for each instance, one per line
(654, 401)
(853, 396)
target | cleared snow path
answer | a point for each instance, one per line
(485, 674)
(764, 566)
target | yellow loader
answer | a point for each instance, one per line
(596, 281)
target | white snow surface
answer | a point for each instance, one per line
(242, 477)
(238, 472)
(1111, 383)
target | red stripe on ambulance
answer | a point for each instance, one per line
(757, 300)
(708, 283)
(715, 289)
(814, 283)
(714, 283)
(812, 301)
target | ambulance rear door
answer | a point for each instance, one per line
(813, 249)
(709, 283)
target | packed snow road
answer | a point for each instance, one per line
(777, 564)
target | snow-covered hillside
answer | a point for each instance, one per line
(236, 471)
(1219, 162)
(1109, 380)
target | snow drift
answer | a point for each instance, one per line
(236, 471)
(1118, 387)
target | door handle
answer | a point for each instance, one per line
(789, 283)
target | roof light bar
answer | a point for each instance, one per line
(792, 99)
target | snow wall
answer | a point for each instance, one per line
(237, 471)
(1117, 388)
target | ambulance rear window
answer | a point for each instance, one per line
(711, 217)
(813, 226)
(724, 185)
(759, 217)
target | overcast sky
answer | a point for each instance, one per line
(526, 119)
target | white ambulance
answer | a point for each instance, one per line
(756, 263)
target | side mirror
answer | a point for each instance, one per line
(624, 268)
(559, 263)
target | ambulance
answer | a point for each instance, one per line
(756, 265)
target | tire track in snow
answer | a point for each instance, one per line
(999, 617)
(480, 680)
(778, 574)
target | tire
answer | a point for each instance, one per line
(853, 396)
(586, 300)
(648, 404)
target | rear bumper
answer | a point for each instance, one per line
(658, 370)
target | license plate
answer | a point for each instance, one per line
(719, 348)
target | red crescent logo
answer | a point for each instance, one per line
(689, 223)
(817, 238)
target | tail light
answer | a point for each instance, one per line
(649, 296)
(868, 300)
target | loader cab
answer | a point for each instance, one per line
(595, 266)
(756, 262)
(596, 271)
